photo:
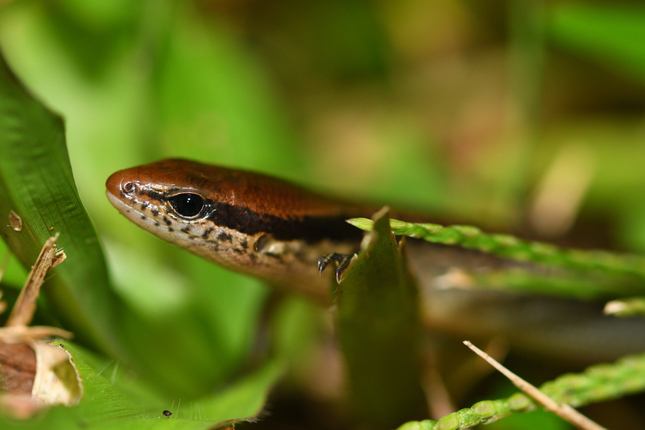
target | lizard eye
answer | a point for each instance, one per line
(187, 205)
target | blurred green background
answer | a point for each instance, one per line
(515, 114)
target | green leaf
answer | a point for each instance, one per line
(106, 405)
(213, 103)
(612, 35)
(37, 184)
(378, 329)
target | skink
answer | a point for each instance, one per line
(276, 231)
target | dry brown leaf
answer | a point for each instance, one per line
(35, 374)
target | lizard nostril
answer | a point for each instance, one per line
(128, 187)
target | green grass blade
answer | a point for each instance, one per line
(507, 246)
(598, 383)
(378, 328)
(580, 274)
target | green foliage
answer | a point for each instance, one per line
(399, 102)
(507, 246)
(608, 34)
(109, 406)
(378, 331)
(609, 274)
(37, 184)
(597, 383)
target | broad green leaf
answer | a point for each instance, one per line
(37, 184)
(378, 328)
(106, 405)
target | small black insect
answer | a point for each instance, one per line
(167, 413)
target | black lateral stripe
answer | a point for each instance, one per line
(310, 229)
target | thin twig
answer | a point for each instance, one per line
(23, 310)
(564, 411)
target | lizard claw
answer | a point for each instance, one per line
(342, 262)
